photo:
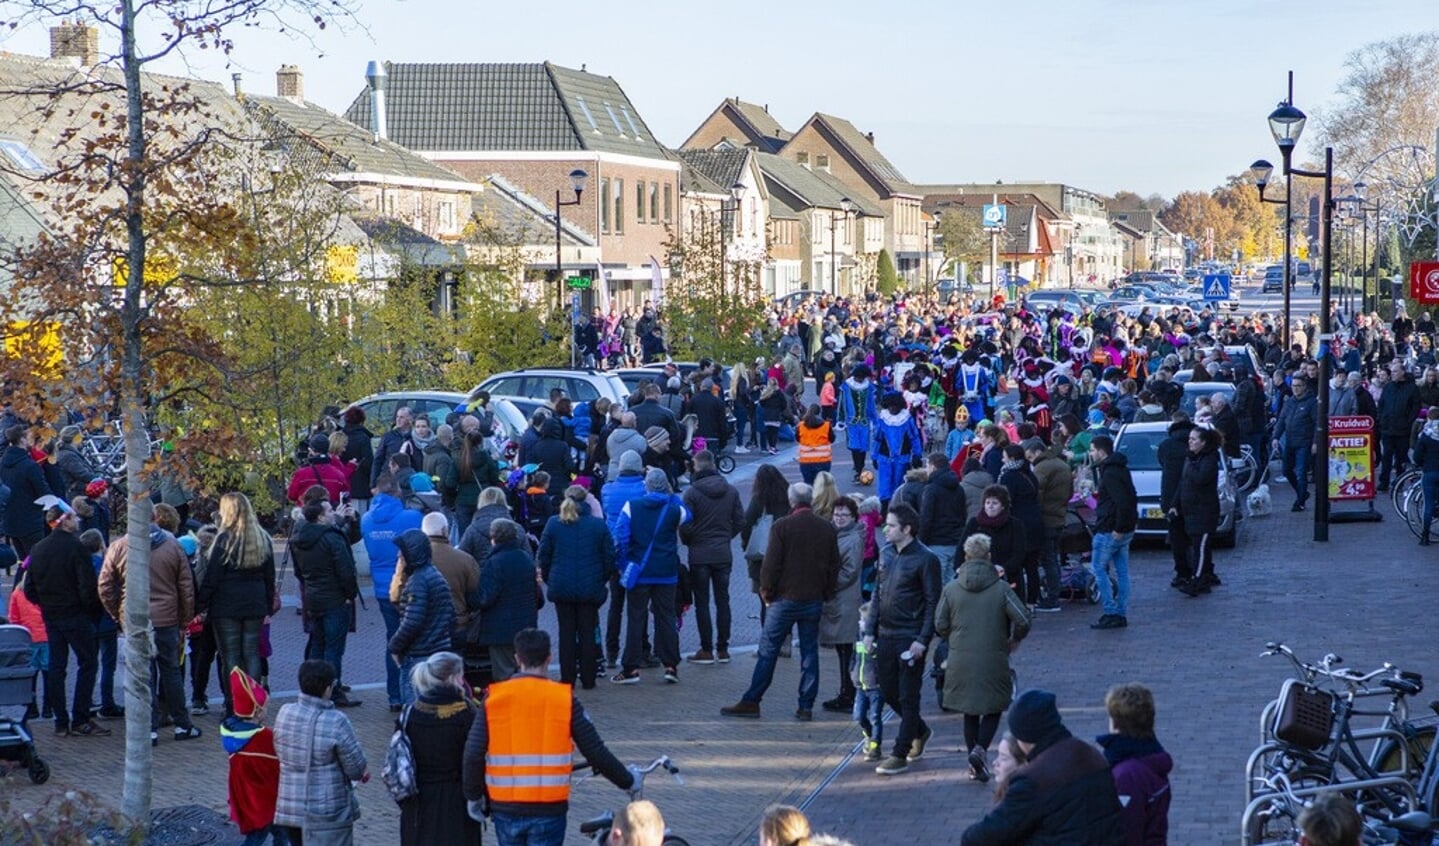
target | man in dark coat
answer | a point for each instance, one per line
(1171, 454)
(393, 440)
(508, 601)
(1064, 796)
(717, 517)
(942, 514)
(800, 571)
(1398, 409)
(1115, 518)
(709, 411)
(552, 453)
(650, 413)
(1295, 430)
(24, 520)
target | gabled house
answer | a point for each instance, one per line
(735, 123)
(1033, 242)
(384, 178)
(533, 124)
(833, 238)
(1159, 248)
(709, 199)
(833, 146)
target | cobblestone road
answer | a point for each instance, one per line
(1363, 595)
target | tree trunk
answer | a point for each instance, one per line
(135, 802)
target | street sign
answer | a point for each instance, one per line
(1002, 276)
(995, 215)
(578, 283)
(1216, 287)
(1351, 457)
(1424, 282)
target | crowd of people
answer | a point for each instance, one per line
(974, 432)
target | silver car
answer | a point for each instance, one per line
(1139, 443)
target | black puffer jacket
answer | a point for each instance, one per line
(324, 565)
(942, 512)
(427, 611)
(26, 481)
(1199, 492)
(1024, 498)
(230, 591)
(717, 518)
(1064, 796)
(1172, 453)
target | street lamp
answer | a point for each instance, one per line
(929, 229)
(729, 210)
(845, 205)
(1286, 124)
(1262, 170)
(578, 178)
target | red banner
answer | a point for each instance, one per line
(1351, 457)
(1424, 282)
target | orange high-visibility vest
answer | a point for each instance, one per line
(814, 445)
(528, 759)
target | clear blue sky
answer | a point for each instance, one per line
(1145, 95)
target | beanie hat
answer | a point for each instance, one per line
(420, 483)
(630, 462)
(1034, 716)
(246, 694)
(656, 481)
(1096, 417)
(319, 444)
(96, 488)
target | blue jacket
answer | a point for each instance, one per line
(429, 612)
(639, 522)
(576, 559)
(618, 491)
(386, 520)
(507, 595)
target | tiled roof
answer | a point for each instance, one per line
(808, 187)
(864, 149)
(768, 134)
(341, 145)
(723, 168)
(451, 107)
(523, 215)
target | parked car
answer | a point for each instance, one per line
(1273, 279)
(1189, 400)
(511, 417)
(580, 384)
(1049, 300)
(1139, 443)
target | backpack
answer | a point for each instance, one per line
(399, 772)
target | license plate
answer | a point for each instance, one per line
(1155, 513)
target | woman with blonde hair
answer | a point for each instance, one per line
(576, 560)
(826, 494)
(238, 590)
(784, 825)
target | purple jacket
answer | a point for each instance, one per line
(1141, 778)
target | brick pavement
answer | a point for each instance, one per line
(1199, 655)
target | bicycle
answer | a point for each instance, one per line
(1399, 491)
(1412, 510)
(597, 829)
(1306, 736)
(1245, 470)
(1283, 803)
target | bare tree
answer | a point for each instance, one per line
(129, 169)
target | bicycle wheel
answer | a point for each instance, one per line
(1413, 511)
(1245, 469)
(1386, 757)
(725, 462)
(1401, 489)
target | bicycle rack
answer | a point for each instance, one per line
(1257, 802)
(1376, 734)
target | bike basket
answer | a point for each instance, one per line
(1305, 716)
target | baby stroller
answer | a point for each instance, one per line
(17, 682)
(1076, 580)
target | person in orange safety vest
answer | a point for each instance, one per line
(815, 436)
(517, 757)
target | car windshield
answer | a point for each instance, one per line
(1190, 401)
(1141, 448)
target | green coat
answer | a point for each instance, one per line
(979, 615)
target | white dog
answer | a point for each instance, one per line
(1259, 502)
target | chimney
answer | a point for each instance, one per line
(290, 83)
(75, 41)
(379, 80)
(235, 82)
(766, 108)
(870, 137)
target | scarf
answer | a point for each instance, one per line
(1012, 464)
(422, 444)
(987, 522)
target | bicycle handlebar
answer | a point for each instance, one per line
(1349, 677)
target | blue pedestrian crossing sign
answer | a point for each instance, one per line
(1216, 287)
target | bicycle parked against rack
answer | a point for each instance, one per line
(598, 828)
(1307, 737)
(1283, 803)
